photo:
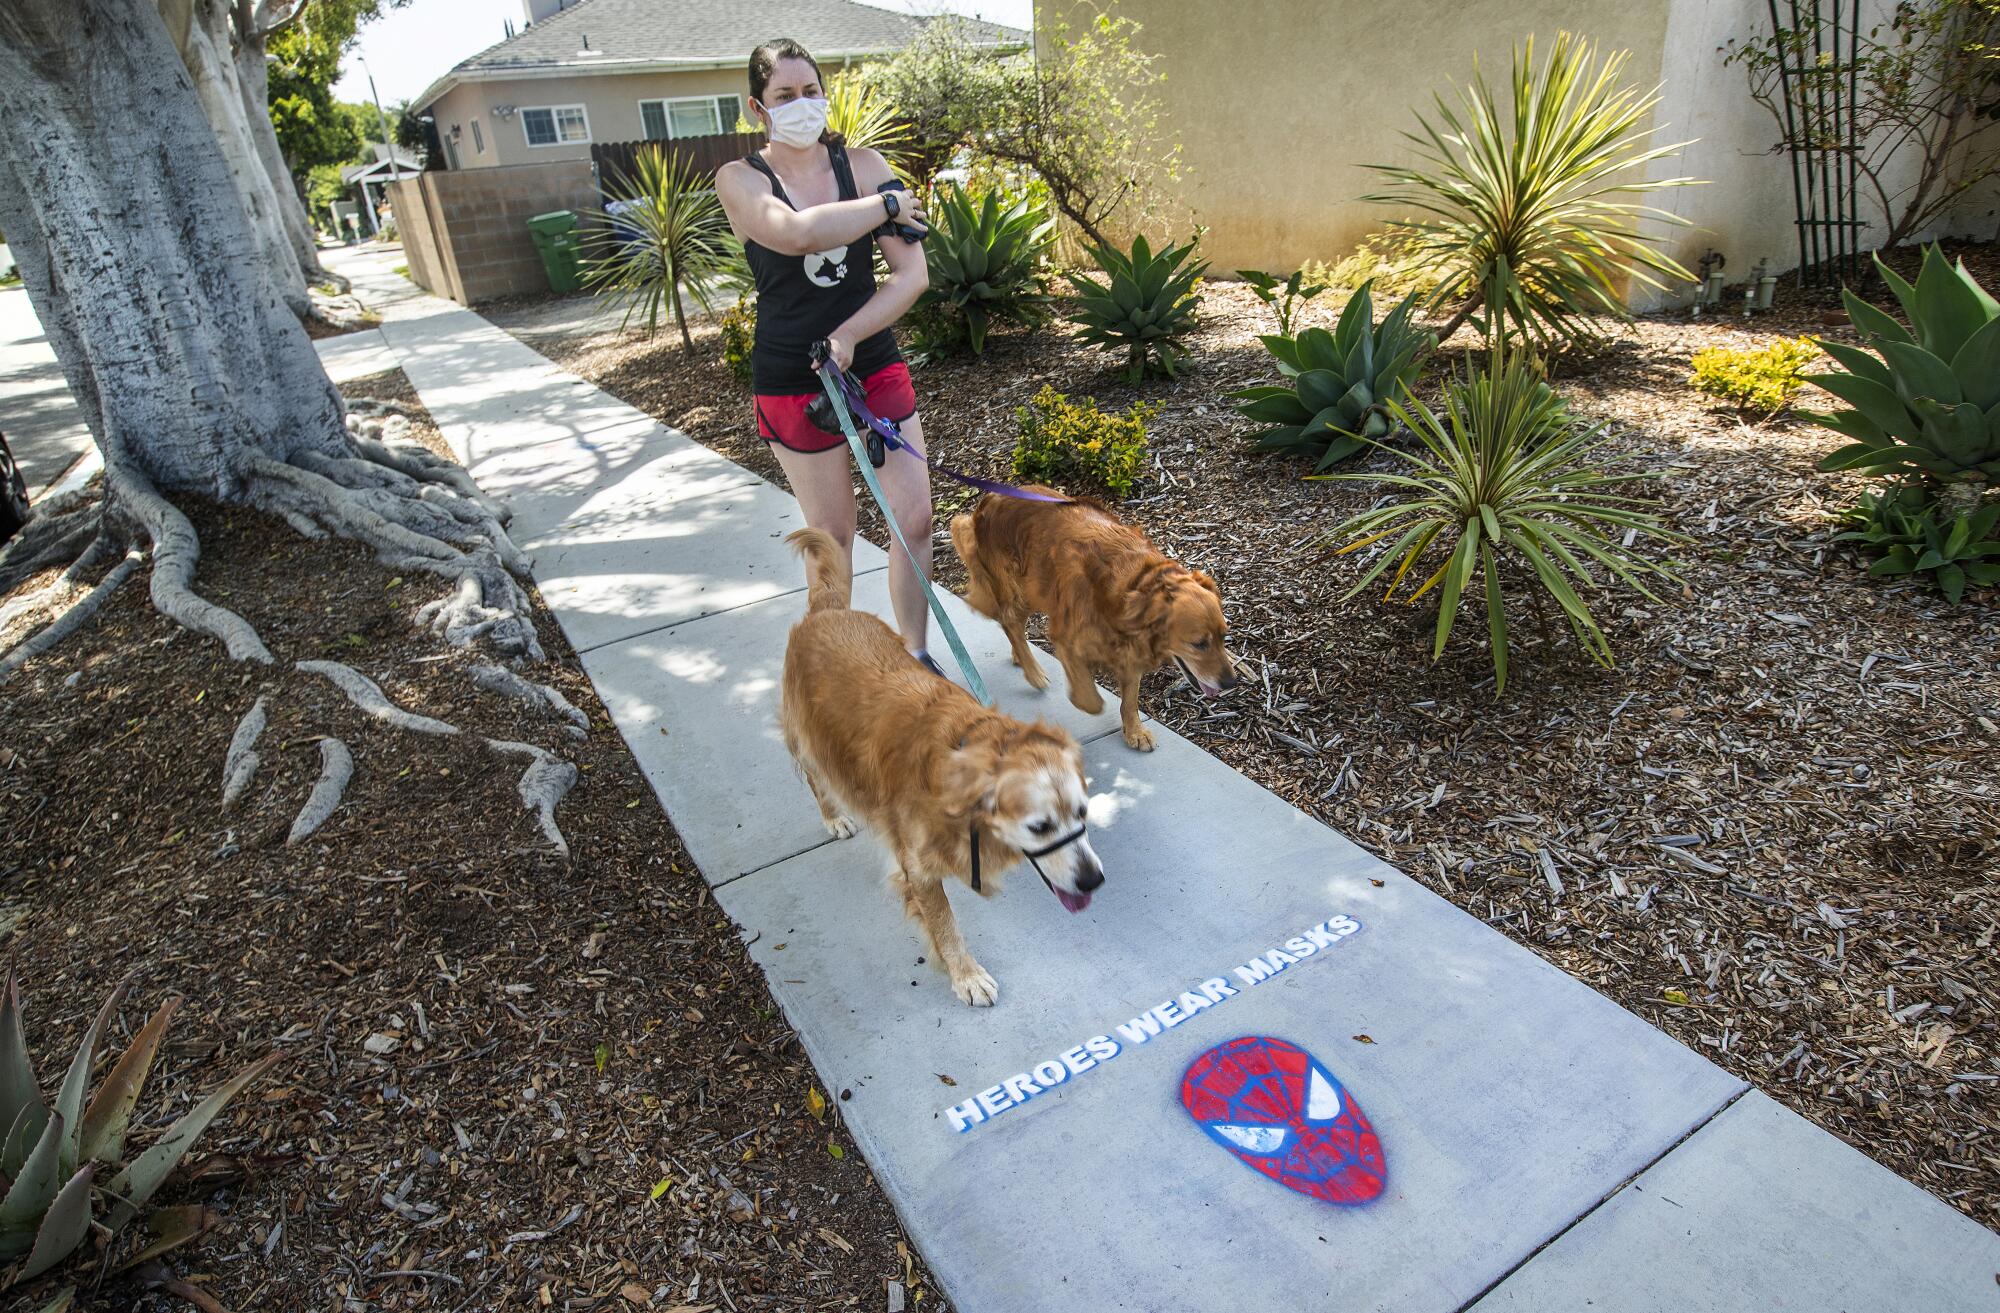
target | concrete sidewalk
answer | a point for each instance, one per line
(1544, 1149)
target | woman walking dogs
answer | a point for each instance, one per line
(808, 212)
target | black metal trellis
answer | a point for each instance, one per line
(1820, 92)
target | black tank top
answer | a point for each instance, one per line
(802, 299)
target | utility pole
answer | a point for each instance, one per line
(388, 140)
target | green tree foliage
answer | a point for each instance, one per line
(313, 128)
(1084, 118)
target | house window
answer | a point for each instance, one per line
(689, 116)
(555, 125)
(478, 139)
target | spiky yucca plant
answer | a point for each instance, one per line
(1504, 475)
(1539, 184)
(866, 118)
(52, 1156)
(1145, 304)
(672, 239)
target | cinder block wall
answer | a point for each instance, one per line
(466, 233)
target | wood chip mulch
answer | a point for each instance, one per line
(511, 1082)
(1773, 830)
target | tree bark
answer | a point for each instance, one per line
(253, 77)
(213, 67)
(133, 244)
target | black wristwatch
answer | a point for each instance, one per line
(890, 204)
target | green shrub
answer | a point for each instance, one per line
(53, 1155)
(985, 260)
(1387, 260)
(1339, 383)
(1504, 478)
(1537, 184)
(1927, 403)
(1070, 444)
(1915, 536)
(1144, 306)
(1285, 296)
(739, 333)
(1763, 379)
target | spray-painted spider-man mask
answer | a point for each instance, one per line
(1273, 1105)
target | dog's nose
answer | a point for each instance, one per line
(1229, 679)
(1089, 878)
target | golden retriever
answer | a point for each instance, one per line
(1112, 599)
(951, 788)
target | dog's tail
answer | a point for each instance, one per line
(826, 590)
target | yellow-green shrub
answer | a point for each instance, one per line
(1384, 259)
(739, 329)
(1763, 380)
(1069, 444)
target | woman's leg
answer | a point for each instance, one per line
(907, 483)
(823, 482)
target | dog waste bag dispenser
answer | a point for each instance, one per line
(557, 242)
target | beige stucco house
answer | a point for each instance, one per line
(631, 70)
(1279, 105)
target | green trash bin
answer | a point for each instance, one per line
(561, 248)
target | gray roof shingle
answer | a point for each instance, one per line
(708, 30)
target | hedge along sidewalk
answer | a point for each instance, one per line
(1536, 1136)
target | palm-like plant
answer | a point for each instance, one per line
(51, 1156)
(986, 261)
(1504, 475)
(666, 235)
(1539, 187)
(866, 118)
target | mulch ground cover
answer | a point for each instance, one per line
(1773, 830)
(510, 1081)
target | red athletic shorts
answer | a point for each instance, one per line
(782, 419)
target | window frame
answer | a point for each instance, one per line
(713, 100)
(478, 139)
(555, 113)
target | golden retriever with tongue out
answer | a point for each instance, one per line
(1113, 601)
(953, 789)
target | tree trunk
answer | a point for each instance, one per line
(135, 243)
(214, 71)
(253, 76)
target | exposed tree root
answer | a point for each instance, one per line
(240, 763)
(336, 768)
(540, 697)
(546, 782)
(175, 551)
(336, 309)
(368, 696)
(69, 621)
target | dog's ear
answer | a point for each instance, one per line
(970, 785)
(1202, 577)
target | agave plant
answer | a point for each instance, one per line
(52, 1156)
(1286, 296)
(986, 261)
(1340, 383)
(1504, 475)
(1904, 525)
(665, 235)
(1540, 187)
(1927, 402)
(1143, 307)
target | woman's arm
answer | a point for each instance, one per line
(909, 270)
(758, 215)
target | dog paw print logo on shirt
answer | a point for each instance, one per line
(1272, 1105)
(827, 268)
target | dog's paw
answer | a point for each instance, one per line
(976, 988)
(1036, 676)
(1139, 739)
(839, 827)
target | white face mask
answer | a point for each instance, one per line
(797, 122)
